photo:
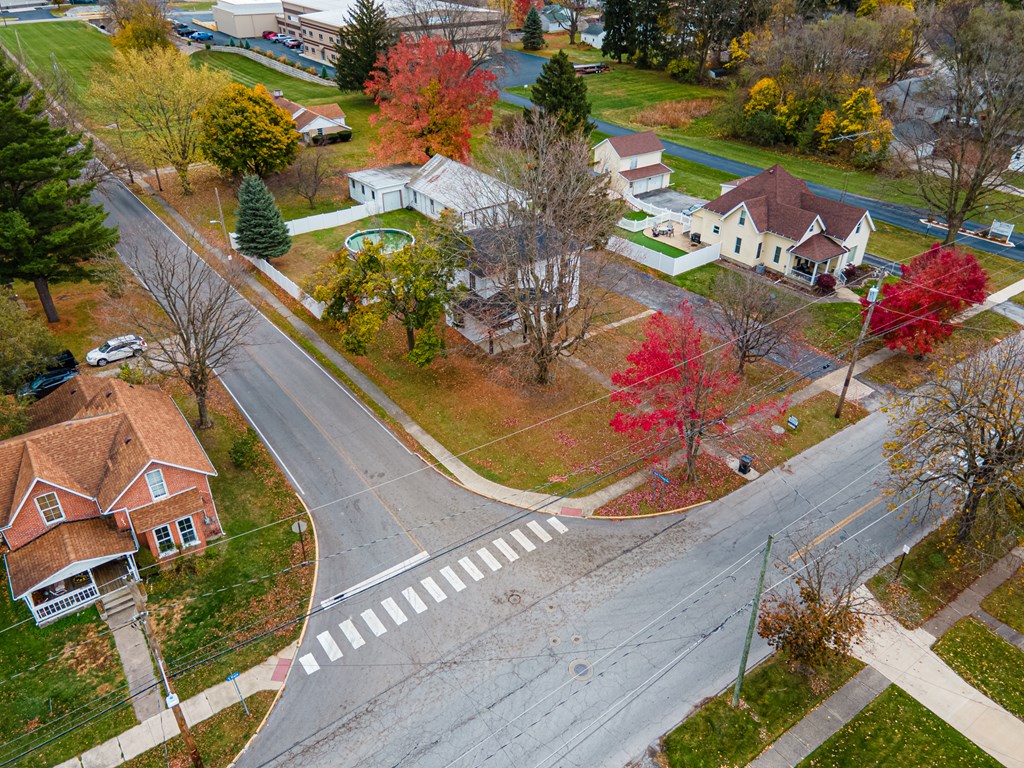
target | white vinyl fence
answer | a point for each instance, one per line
(333, 218)
(316, 308)
(669, 265)
(631, 225)
(662, 214)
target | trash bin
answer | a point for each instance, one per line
(745, 462)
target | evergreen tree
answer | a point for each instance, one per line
(533, 32)
(649, 38)
(48, 229)
(260, 231)
(619, 29)
(559, 93)
(366, 36)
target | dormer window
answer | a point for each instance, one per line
(743, 217)
(49, 507)
(157, 486)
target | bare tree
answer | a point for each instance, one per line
(979, 85)
(574, 10)
(475, 30)
(122, 11)
(751, 315)
(205, 321)
(542, 256)
(960, 442)
(817, 616)
(312, 168)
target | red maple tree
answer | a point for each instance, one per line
(674, 389)
(429, 98)
(522, 7)
(913, 313)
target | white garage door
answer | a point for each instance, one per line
(392, 200)
(640, 186)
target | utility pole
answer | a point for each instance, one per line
(172, 697)
(872, 300)
(753, 623)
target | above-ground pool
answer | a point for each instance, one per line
(392, 239)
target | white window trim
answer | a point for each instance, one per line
(165, 552)
(163, 482)
(60, 508)
(181, 537)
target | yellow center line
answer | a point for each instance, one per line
(837, 527)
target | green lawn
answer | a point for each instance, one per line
(553, 43)
(695, 179)
(247, 499)
(833, 327)
(78, 47)
(898, 244)
(1006, 602)
(934, 573)
(77, 667)
(718, 735)
(249, 72)
(700, 280)
(894, 730)
(986, 661)
(649, 242)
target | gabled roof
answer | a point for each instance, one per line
(779, 202)
(460, 187)
(303, 116)
(594, 29)
(62, 546)
(819, 247)
(636, 144)
(93, 437)
(646, 172)
(489, 257)
(167, 510)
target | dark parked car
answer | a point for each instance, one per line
(45, 383)
(293, 43)
(185, 31)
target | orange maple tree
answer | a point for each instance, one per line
(429, 97)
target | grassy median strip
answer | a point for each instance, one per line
(775, 699)
(894, 730)
(986, 661)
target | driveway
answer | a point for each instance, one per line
(898, 214)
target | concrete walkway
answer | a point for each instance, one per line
(137, 663)
(155, 730)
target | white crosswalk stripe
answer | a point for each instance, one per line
(452, 578)
(524, 542)
(489, 560)
(351, 633)
(330, 647)
(543, 535)
(502, 546)
(309, 663)
(435, 591)
(413, 599)
(470, 567)
(376, 625)
(557, 524)
(394, 611)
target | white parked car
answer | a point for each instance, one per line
(117, 348)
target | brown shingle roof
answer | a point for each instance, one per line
(819, 248)
(167, 510)
(93, 436)
(781, 203)
(646, 172)
(62, 546)
(636, 144)
(303, 116)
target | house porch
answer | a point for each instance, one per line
(72, 593)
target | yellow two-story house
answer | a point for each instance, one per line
(773, 219)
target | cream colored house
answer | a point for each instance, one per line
(634, 162)
(774, 220)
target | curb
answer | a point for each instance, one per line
(619, 518)
(298, 643)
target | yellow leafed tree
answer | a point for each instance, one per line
(244, 131)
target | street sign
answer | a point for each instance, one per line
(793, 422)
(906, 549)
(299, 526)
(232, 676)
(659, 476)
(172, 700)
(1001, 229)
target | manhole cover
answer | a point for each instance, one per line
(581, 669)
(515, 598)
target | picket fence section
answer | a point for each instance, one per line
(669, 265)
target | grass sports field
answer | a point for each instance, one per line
(78, 47)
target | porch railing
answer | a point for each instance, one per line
(65, 603)
(803, 276)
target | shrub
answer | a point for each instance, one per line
(826, 283)
(246, 45)
(763, 128)
(131, 375)
(850, 272)
(245, 450)
(207, 46)
(323, 73)
(682, 69)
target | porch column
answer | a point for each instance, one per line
(814, 274)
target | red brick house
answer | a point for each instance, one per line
(106, 468)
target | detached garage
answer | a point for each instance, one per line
(385, 186)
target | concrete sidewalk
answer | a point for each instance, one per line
(267, 676)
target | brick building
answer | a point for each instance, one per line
(106, 468)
